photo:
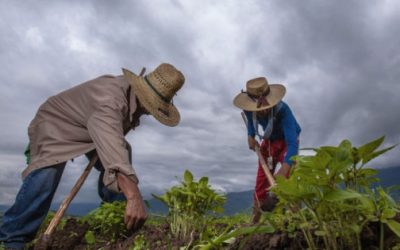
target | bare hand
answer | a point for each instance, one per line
(252, 143)
(283, 171)
(135, 214)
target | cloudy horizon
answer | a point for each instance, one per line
(339, 61)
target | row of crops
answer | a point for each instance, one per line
(332, 200)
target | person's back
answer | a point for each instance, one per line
(60, 129)
(75, 105)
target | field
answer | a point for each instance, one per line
(332, 200)
(156, 234)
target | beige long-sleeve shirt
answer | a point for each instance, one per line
(93, 115)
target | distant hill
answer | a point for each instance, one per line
(236, 201)
(389, 176)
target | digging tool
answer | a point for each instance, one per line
(264, 165)
(44, 241)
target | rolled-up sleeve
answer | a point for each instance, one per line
(105, 127)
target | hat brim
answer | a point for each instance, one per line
(243, 101)
(166, 113)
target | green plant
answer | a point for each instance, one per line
(189, 203)
(383, 209)
(325, 196)
(107, 220)
(90, 238)
(229, 236)
(140, 243)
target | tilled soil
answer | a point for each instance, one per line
(158, 237)
(268, 241)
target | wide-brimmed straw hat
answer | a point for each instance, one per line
(156, 90)
(259, 95)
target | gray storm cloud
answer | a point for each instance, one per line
(339, 61)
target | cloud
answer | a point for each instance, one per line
(339, 62)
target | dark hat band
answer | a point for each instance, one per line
(155, 90)
(261, 100)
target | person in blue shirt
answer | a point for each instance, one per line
(273, 122)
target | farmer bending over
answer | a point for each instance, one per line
(262, 104)
(90, 118)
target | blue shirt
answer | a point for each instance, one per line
(285, 127)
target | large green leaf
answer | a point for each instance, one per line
(203, 181)
(388, 213)
(331, 150)
(338, 195)
(373, 155)
(345, 144)
(369, 147)
(188, 177)
(386, 198)
(394, 226)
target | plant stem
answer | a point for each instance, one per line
(307, 233)
(381, 242)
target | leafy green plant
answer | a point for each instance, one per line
(218, 227)
(189, 203)
(107, 220)
(326, 194)
(383, 209)
(90, 238)
(229, 236)
(140, 243)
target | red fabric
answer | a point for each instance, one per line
(278, 152)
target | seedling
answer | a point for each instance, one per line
(107, 220)
(189, 203)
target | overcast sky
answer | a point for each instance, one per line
(339, 61)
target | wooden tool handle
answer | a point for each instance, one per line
(67, 200)
(264, 165)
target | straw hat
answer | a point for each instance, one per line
(259, 95)
(156, 90)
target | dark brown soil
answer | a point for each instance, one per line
(268, 241)
(72, 236)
